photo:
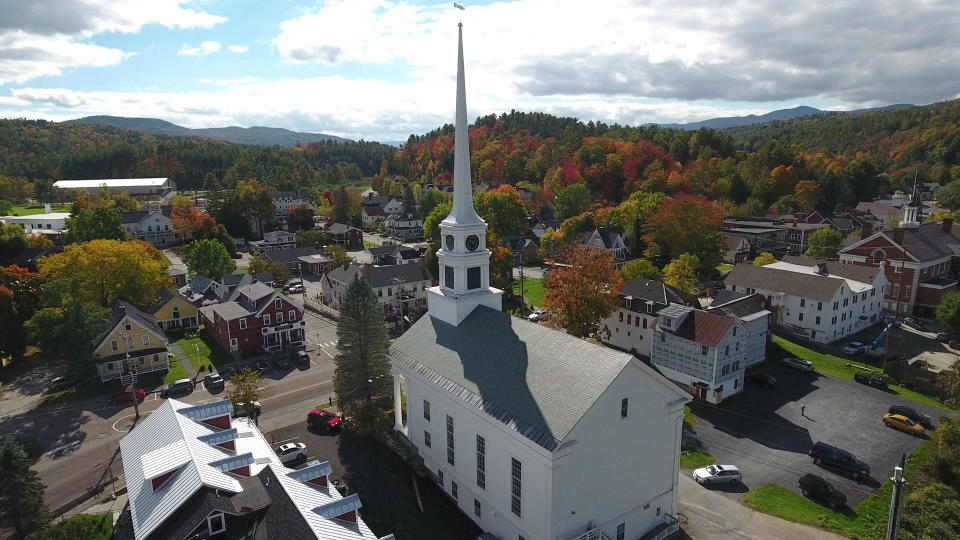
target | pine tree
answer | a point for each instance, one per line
(362, 377)
(21, 491)
(341, 207)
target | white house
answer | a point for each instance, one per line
(754, 316)
(738, 248)
(47, 223)
(151, 225)
(400, 289)
(819, 301)
(612, 239)
(403, 227)
(535, 434)
(283, 201)
(701, 350)
(371, 215)
(274, 241)
(631, 326)
(133, 186)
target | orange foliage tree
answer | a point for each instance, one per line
(583, 289)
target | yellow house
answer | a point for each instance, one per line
(173, 311)
(130, 344)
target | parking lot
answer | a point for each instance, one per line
(763, 432)
(385, 484)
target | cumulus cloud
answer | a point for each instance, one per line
(44, 37)
(205, 48)
(238, 48)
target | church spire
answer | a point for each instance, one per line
(463, 211)
(912, 210)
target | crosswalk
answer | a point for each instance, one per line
(329, 344)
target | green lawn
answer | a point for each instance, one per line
(533, 290)
(695, 459)
(30, 210)
(724, 267)
(369, 244)
(176, 371)
(688, 418)
(209, 356)
(85, 526)
(840, 367)
(866, 520)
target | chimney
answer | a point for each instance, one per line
(898, 235)
(948, 225)
(866, 230)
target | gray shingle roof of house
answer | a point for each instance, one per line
(290, 255)
(340, 228)
(856, 272)
(725, 295)
(227, 311)
(164, 295)
(383, 276)
(656, 291)
(732, 240)
(737, 304)
(530, 377)
(123, 308)
(793, 283)
(929, 241)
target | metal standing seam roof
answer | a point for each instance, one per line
(527, 376)
(111, 182)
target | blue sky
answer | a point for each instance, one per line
(381, 70)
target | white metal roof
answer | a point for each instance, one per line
(310, 497)
(111, 182)
(52, 216)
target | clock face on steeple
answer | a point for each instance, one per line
(472, 242)
(449, 241)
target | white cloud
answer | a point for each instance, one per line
(44, 37)
(205, 48)
(238, 48)
(230, 82)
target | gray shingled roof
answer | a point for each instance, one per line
(810, 286)
(741, 305)
(383, 276)
(527, 376)
(856, 272)
(657, 292)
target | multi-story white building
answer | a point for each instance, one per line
(403, 227)
(50, 223)
(819, 301)
(283, 201)
(631, 326)
(400, 289)
(151, 225)
(753, 314)
(534, 433)
(704, 351)
(274, 241)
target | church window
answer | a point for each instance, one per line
(426, 439)
(450, 459)
(440, 477)
(448, 277)
(644, 323)
(624, 406)
(454, 490)
(473, 277)
(516, 472)
(636, 321)
(426, 410)
(481, 462)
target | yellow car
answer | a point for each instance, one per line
(902, 423)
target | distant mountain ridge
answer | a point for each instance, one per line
(773, 116)
(256, 135)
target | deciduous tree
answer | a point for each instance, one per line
(102, 222)
(210, 259)
(640, 268)
(689, 224)
(503, 211)
(430, 200)
(300, 218)
(431, 225)
(764, 259)
(572, 200)
(362, 376)
(682, 273)
(582, 290)
(948, 312)
(808, 194)
(12, 242)
(67, 328)
(245, 392)
(824, 244)
(21, 492)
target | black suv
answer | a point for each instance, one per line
(760, 377)
(912, 414)
(831, 456)
(816, 487)
(877, 381)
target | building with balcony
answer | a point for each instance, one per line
(151, 225)
(274, 241)
(130, 344)
(400, 289)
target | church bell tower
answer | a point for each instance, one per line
(464, 258)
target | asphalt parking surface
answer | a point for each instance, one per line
(763, 432)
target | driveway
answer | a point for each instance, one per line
(763, 432)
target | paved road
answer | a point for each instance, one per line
(80, 439)
(764, 433)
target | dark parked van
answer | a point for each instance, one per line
(816, 487)
(180, 386)
(831, 456)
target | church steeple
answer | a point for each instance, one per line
(911, 210)
(464, 260)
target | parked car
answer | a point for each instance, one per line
(292, 452)
(301, 357)
(127, 397)
(325, 419)
(297, 289)
(912, 414)
(798, 363)
(283, 364)
(263, 367)
(538, 315)
(760, 377)
(815, 487)
(854, 347)
(179, 386)
(831, 456)
(214, 381)
(247, 408)
(293, 283)
(60, 383)
(902, 423)
(944, 337)
(717, 474)
(228, 372)
(914, 323)
(876, 381)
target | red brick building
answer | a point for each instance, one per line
(257, 320)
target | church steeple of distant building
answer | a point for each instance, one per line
(913, 209)
(464, 260)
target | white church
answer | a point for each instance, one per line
(536, 434)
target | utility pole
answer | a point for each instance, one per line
(132, 388)
(896, 500)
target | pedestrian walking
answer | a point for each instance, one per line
(803, 409)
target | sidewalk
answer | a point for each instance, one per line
(713, 516)
(184, 358)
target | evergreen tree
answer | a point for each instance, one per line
(341, 207)
(362, 377)
(21, 492)
(409, 203)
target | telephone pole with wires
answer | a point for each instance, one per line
(896, 499)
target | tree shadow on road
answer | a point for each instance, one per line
(55, 432)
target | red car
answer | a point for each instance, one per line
(325, 419)
(125, 397)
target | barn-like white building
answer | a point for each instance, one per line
(133, 186)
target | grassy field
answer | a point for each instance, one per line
(724, 267)
(210, 353)
(533, 290)
(176, 371)
(369, 244)
(85, 526)
(31, 210)
(842, 368)
(695, 459)
(866, 520)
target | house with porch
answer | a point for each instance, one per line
(274, 241)
(738, 248)
(370, 216)
(404, 226)
(612, 239)
(151, 225)
(390, 254)
(400, 289)
(130, 344)
(347, 236)
(173, 311)
(258, 319)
